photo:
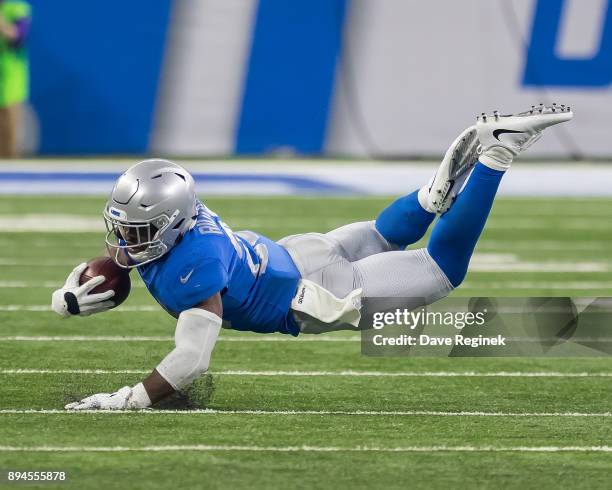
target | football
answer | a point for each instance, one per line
(117, 278)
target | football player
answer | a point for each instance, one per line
(206, 275)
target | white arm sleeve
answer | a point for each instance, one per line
(196, 333)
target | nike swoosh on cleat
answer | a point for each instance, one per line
(499, 132)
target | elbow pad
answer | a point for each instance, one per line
(196, 333)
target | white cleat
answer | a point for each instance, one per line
(460, 158)
(504, 137)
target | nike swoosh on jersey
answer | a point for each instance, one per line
(186, 278)
(498, 132)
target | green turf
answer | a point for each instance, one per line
(573, 233)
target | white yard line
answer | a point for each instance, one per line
(44, 308)
(540, 245)
(47, 223)
(584, 285)
(481, 262)
(534, 243)
(347, 373)
(476, 266)
(143, 308)
(117, 338)
(529, 266)
(158, 309)
(44, 284)
(510, 285)
(72, 371)
(542, 210)
(50, 223)
(24, 284)
(8, 261)
(546, 223)
(315, 449)
(210, 411)
(250, 339)
(93, 228)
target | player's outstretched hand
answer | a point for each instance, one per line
(76, 299)
(125, 398)
(104, 401)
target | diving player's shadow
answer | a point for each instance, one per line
(196, 397)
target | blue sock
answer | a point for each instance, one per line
(404, 221)
(456, 233)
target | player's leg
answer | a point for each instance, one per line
(409, 279)
(357, 240)
(397, 279)
(405, 279)
(351, 257)
(456, 233)
(390, 280)
(406, 220)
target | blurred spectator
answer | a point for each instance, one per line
(14, 83)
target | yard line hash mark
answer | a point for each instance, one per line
(118, 338)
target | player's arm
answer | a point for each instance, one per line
(196, 333)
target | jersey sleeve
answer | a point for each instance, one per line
(197, 282)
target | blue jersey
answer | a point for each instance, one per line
(256, 277)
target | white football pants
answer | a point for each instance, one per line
(357, 256)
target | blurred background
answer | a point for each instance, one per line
(334, 78)
(308, 96)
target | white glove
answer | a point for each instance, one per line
(74, 299)
(125, 398)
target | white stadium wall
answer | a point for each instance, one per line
(414, 73)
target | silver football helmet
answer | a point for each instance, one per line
(150, 207)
